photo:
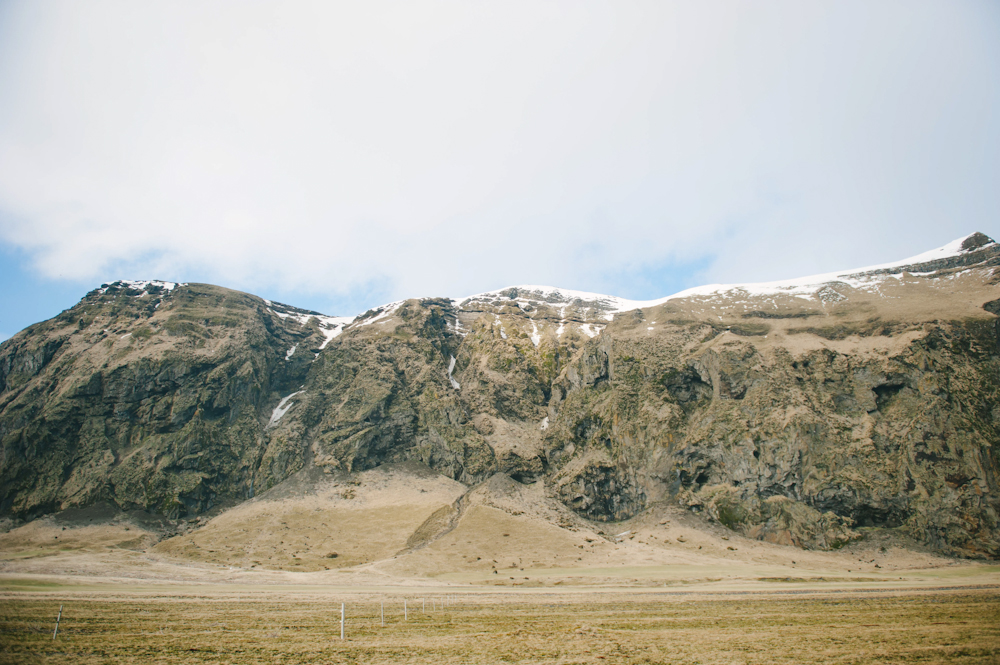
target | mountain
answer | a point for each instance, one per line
(801, 412)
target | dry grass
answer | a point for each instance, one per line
(531, 584)
(958, 627)
(301, 537)
(332, 515)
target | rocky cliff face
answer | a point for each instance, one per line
(795, 413)
(147, 395)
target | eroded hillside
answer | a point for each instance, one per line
(796, 414)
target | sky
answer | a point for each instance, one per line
(340, 155)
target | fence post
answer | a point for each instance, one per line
(341, 621)
(383, 613)
(56, 631)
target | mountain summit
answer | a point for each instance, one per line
(803, 412)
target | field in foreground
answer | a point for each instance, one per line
(524, 580)
(188, 626)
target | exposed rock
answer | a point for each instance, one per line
(871, 403)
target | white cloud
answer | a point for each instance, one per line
(445, 148)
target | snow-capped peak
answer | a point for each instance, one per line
(139, 285)
(533, 294)
(803, 287)
(807, 287)
(586, 306)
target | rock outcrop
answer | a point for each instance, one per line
(798, 417)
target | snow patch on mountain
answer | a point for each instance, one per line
(811, 287)
(332, 326)
(382, 312)
(143, 285)
(329, 326)
(283, 406)
(554, 297)
(451, 368)
(285, 312)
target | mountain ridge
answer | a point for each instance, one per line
(797, 414)
(947, 255)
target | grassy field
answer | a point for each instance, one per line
(960, 626)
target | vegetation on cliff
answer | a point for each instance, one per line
(799, 420)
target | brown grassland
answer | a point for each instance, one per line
(507, 577)
(219, 625)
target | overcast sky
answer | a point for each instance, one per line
(337, 156)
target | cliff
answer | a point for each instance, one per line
(798, 413)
